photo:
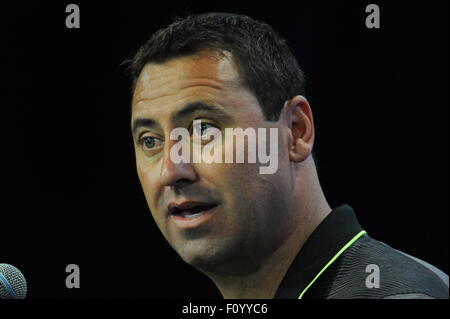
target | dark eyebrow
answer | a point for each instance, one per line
(200, 107)
(143, 122)
(187, 110)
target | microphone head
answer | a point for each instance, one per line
(12, 283)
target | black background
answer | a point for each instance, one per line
(70, 193)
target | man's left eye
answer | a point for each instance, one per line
(201, 128)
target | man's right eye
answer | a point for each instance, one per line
(150, 143)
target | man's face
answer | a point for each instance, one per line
(212, 213)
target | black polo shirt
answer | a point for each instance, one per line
(339, 260)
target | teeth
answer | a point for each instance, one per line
(191, 212)
(191, 215)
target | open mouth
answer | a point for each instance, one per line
(190, 211)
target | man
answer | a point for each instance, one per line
(255, 235)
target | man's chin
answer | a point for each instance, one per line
(200, 257)
(205, 253)
(216, 259)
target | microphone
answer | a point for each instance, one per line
(12, 283)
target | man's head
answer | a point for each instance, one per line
(228, 71)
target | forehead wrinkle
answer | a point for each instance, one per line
(165, 108)
(169, 114)
(211, 96)
(201, 84)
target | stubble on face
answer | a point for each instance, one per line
(250, 204)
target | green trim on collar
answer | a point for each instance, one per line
(332, 260)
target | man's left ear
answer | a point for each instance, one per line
(299, 120)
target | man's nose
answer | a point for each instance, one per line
(176, 174)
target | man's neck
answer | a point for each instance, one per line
(264, 282)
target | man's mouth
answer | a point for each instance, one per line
(189, 210)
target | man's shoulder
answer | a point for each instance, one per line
(372, 269)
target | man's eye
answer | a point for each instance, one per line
(150, 142)
(201, 128)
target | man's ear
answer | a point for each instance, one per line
(298, 118)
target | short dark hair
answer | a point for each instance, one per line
(264, 61)
(265, 64)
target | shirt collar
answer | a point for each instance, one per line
(333, 233)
